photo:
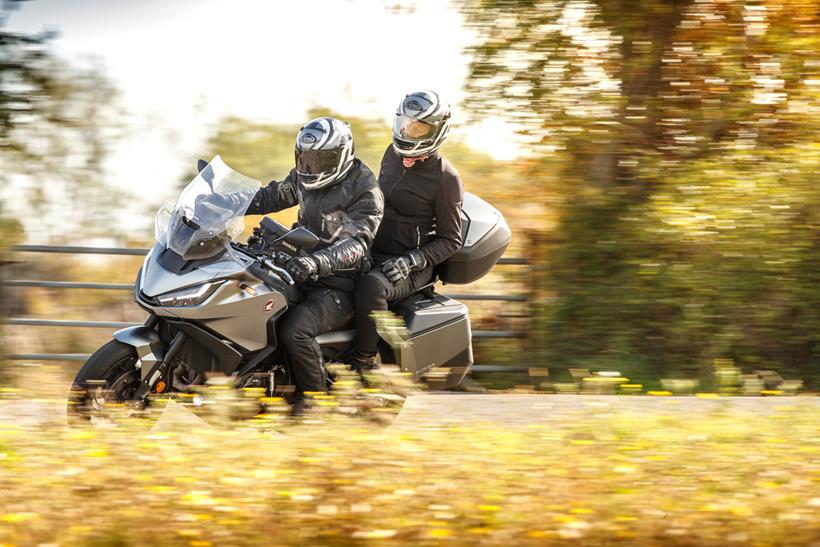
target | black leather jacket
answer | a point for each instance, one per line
(345, 216)
(422, 208)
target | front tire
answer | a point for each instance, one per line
(109, 376)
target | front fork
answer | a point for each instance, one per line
(158, 370)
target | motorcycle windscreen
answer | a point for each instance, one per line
(208, 214)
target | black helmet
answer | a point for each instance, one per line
(324, 152)
(421, 125)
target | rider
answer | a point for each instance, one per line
(422, 215)
(339, 201)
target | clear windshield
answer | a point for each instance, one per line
(208, 214)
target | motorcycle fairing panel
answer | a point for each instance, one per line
(238, 308)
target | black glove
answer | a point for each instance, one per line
(302, 268)
(397, 269)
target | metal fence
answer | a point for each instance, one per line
(32, 322)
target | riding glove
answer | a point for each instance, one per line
(397, 269)
(302, 268)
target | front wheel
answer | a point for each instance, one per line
(109, 376)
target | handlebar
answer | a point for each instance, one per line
(283, 273)
(273, 245)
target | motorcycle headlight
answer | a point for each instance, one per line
(190, 296)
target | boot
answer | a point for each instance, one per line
(300, 405)
(363, 362)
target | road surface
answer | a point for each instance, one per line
(506, 410)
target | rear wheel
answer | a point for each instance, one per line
(108, 377)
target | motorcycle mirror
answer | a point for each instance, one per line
(206, 172)
(301, 238)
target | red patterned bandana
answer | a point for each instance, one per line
(409, 162)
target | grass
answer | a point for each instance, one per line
(600, 477)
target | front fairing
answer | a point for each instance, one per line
(238, 314)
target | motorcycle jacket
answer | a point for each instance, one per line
(345, 217)
(422, 208)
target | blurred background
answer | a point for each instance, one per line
(656, 159)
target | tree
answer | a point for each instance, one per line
(57, 123)
(687, 219)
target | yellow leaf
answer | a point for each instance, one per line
(374, 534)
(13, 518)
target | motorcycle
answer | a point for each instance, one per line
(213, 302)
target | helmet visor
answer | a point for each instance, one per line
(411, 129)
(316, 162)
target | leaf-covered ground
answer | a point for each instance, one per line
(601, 477)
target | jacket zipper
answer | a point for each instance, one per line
(418, 237)
(387, 196)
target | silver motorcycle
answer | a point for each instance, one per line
(213, 302)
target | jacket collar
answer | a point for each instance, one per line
(431, 160)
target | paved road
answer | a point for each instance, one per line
(508, 410)
(519, 410)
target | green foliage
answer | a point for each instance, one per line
(687, 202)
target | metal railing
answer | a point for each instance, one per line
(133, 251)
